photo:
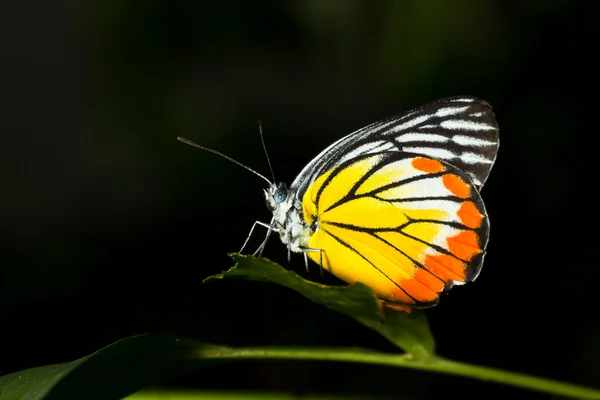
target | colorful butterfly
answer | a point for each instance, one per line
(395, 205)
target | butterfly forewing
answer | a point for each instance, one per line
(405, 225)
(461, 131)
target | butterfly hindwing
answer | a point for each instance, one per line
(461, 131)
(407, 226)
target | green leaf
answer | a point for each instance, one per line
(113, 372)
(132, 364)
(410, 332)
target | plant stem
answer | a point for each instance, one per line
(433, 363)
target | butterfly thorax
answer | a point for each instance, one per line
(288, 219)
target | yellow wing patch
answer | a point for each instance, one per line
(405, 226)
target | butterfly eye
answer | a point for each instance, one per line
(280, 195)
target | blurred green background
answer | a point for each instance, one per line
(108, 224)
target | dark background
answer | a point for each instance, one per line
(108, 224)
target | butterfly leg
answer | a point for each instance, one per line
(264, 243)
(309, 249)
(269, 228)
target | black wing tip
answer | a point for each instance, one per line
(475, 267)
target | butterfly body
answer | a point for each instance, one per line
(396, 205)
(288, 220)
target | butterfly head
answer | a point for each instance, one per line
(277, 195)
(287, 217)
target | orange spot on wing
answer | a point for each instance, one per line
(470, 215)
(446, 267)
(399, 296)
(429, 280)
(423, 287)
(427, 165)
(456, 185)
(464, 245)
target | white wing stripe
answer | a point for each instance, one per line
(421, 137)
(471, 141)
(446, 111)
(461, 100)
(472, 158)
(466, 125)
(408, 124)
(364, 149)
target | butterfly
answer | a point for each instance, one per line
(395, 205)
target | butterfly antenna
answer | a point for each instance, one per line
(262, 139)
(184, 140)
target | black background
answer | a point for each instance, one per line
(108, 224)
